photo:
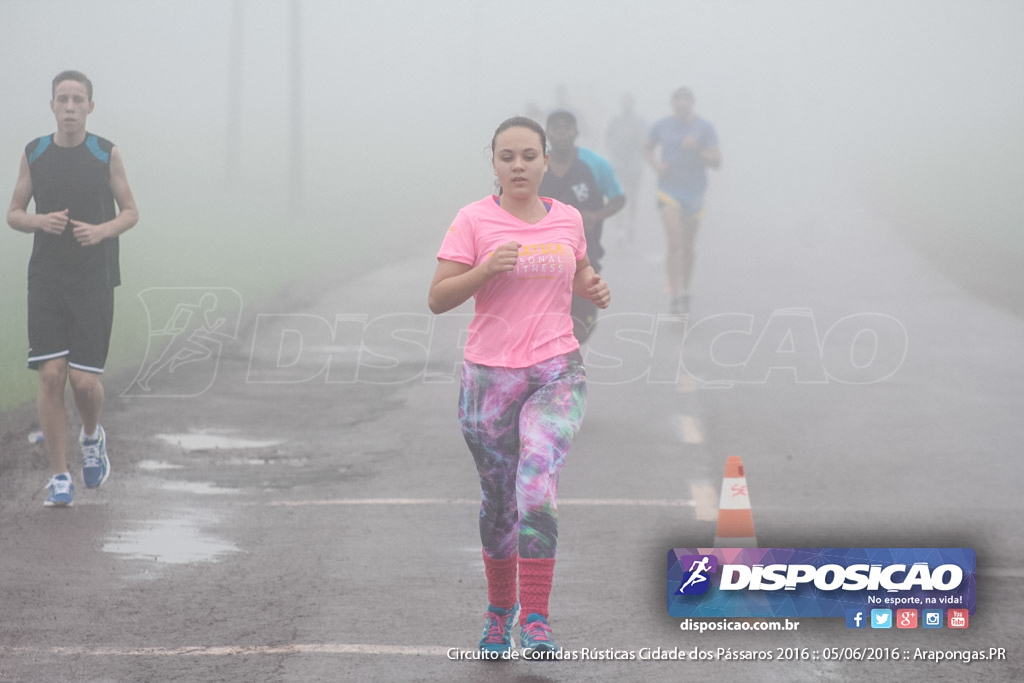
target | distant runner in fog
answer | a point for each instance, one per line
(625, 140)
(584, 114)
(523, 383)
(83, 202)
(688, 146)
(583, 179)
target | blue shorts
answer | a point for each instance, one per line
(691, 205)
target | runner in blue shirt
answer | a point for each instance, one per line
(688, 146)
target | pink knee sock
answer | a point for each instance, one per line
(501, 580)
(534, 586)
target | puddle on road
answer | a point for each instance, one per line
(290, 462)
(156, 465)
(201, 488)
(168, 541)
(211, 441)
(197, 487)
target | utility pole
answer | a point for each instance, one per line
(233, 129)
(295, 195)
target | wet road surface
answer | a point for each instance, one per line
(292, 509)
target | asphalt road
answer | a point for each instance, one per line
(287, 508)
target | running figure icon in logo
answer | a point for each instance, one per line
(701, 566)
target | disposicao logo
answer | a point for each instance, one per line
(697, 578)
(832, 577)
(818, 582)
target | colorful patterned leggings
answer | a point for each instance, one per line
(519, 424)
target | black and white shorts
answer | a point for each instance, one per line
(65, 322)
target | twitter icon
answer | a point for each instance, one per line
(881, 618)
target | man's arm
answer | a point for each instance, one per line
(709, 154)
(610, 208)
(712, 157)
(607, 184)
(128, 213)
(659, 166)
(18, 216)
(709, 150)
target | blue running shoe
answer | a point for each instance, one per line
(95, 463)
(497, 636)
(536, 638)
(61, 492)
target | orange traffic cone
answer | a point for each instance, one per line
(735, 519)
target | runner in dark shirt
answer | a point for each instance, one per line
(82, 204)
(585, 180)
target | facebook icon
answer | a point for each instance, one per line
(855, 618)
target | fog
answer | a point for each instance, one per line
(917, 103)
(905, 117)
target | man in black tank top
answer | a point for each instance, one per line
(83, 202)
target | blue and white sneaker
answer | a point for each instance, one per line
(95, 463)
(62, 491)
(536, 638)
(497, 636)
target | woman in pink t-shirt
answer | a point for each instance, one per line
(521, 257)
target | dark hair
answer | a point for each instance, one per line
(522, 122)
(562, 115)
(72, 75)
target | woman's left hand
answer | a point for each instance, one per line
(598, 292)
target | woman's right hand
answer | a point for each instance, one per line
(504, 258)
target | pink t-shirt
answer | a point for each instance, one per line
(522, 317)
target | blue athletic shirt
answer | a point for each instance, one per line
(607, 183)
(687, 177)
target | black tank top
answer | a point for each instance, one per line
(77, 179)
